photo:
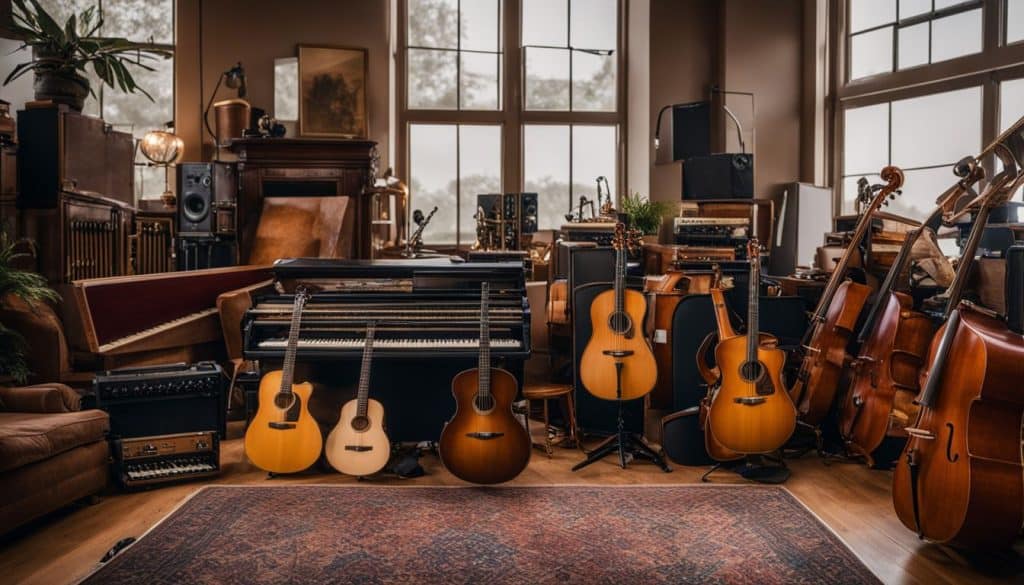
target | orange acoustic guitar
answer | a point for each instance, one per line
(283, 437)
(484, 443)
(618, 363)
(751, 411)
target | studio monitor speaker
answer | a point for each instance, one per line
(719, 176)
(206, 199)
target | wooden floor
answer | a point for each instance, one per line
(851, 499)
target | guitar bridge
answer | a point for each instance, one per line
(281, 426)
(750, 400)
(484, 436)
(358, 448)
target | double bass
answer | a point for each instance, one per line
(960, 478)
(893, 341)
(618, 363)
(834, 320)
(751, 411)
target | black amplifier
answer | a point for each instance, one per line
(163, 400)
(600, 232)
(148, 461)
(727, 232)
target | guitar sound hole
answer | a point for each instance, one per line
(484, 403)
(360, 423)
(620, 323)
(752, 371)
(284, 401)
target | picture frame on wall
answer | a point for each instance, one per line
(332, 91)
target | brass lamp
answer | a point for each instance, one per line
(163, 149)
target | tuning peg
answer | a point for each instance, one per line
(893, 194)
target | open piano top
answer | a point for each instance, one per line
(423, 308)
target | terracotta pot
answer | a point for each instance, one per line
(62, 89)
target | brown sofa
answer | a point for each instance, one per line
(51, 452)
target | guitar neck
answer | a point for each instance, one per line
(753, 325)
(363, 395)
(620, 280)
(484, 365)
(288, 369)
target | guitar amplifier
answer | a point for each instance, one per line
(147, 461)
(1015, 288)
(163, 400)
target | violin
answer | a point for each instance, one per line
(894, 342)
(834, 319)
(960, 477)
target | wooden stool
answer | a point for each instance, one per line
(545, 392)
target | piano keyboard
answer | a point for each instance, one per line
(167, 468)
(162, 328)
(385, 344)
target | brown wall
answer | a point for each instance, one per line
(256, 32)
(740, 45)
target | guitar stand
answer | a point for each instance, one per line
(623, 442)
(753, 470)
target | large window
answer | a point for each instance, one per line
(1014, 21)
(142, 21)
(479, 118)
(923, 136)
(889, 35)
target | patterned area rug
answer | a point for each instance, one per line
(574, 534)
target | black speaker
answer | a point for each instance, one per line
(1015, 288)
(197, 253)
(595, 415)
(528, 213)
(691, 130)
(195, 200)
(719, 176)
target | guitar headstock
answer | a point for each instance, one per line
(302, 295)
(634, 241)
(753, 250)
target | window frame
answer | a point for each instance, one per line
(996, 62)
(512, 115)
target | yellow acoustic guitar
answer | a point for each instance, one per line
(750, 412)
(283, 437)
(358, 444)
(618, 363)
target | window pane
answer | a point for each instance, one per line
(1015, 21)
(920, 190)
(432, 79)
(940, 4)
(913, 49)
(432, 179)
(433, 23)
(547, 79)
(871, 13)
(593, 83)
(149, 181)
(286, 88)
(61, 10)
(139, 20)
(545, 22)
(936, 129)
(480, 172)
(1011, 107)
(850, 190)
(546, 171)
(871, 53)
(479, 25)
(593, 24)
(914, 7)
(956, 36)
(866, 148)
(480, 87)
(593, 155)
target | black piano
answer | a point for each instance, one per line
(428, 320)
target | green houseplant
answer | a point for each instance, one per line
(31, 288)
(644, 214)
(62, 54)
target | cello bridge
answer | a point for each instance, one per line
(919, 433)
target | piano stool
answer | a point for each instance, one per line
(544, 393)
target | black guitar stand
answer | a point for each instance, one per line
(770, 469)
(623, 442)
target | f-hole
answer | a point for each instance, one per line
(484, 403)
(752, 371)
(620, 323)
(949, 446)
(360, 423)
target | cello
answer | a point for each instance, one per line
(834, 320)
(894, 343)
(960, 478)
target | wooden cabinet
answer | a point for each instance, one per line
(280, 168)
(9, 190)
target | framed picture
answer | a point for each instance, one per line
(332, 92)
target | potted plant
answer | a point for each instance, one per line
(31, 288)
(644, 215)
(61, 54)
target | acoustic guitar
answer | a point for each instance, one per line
(751, 411)
(484, 443)
(358, 444)
(283, 437)
(618, 363)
